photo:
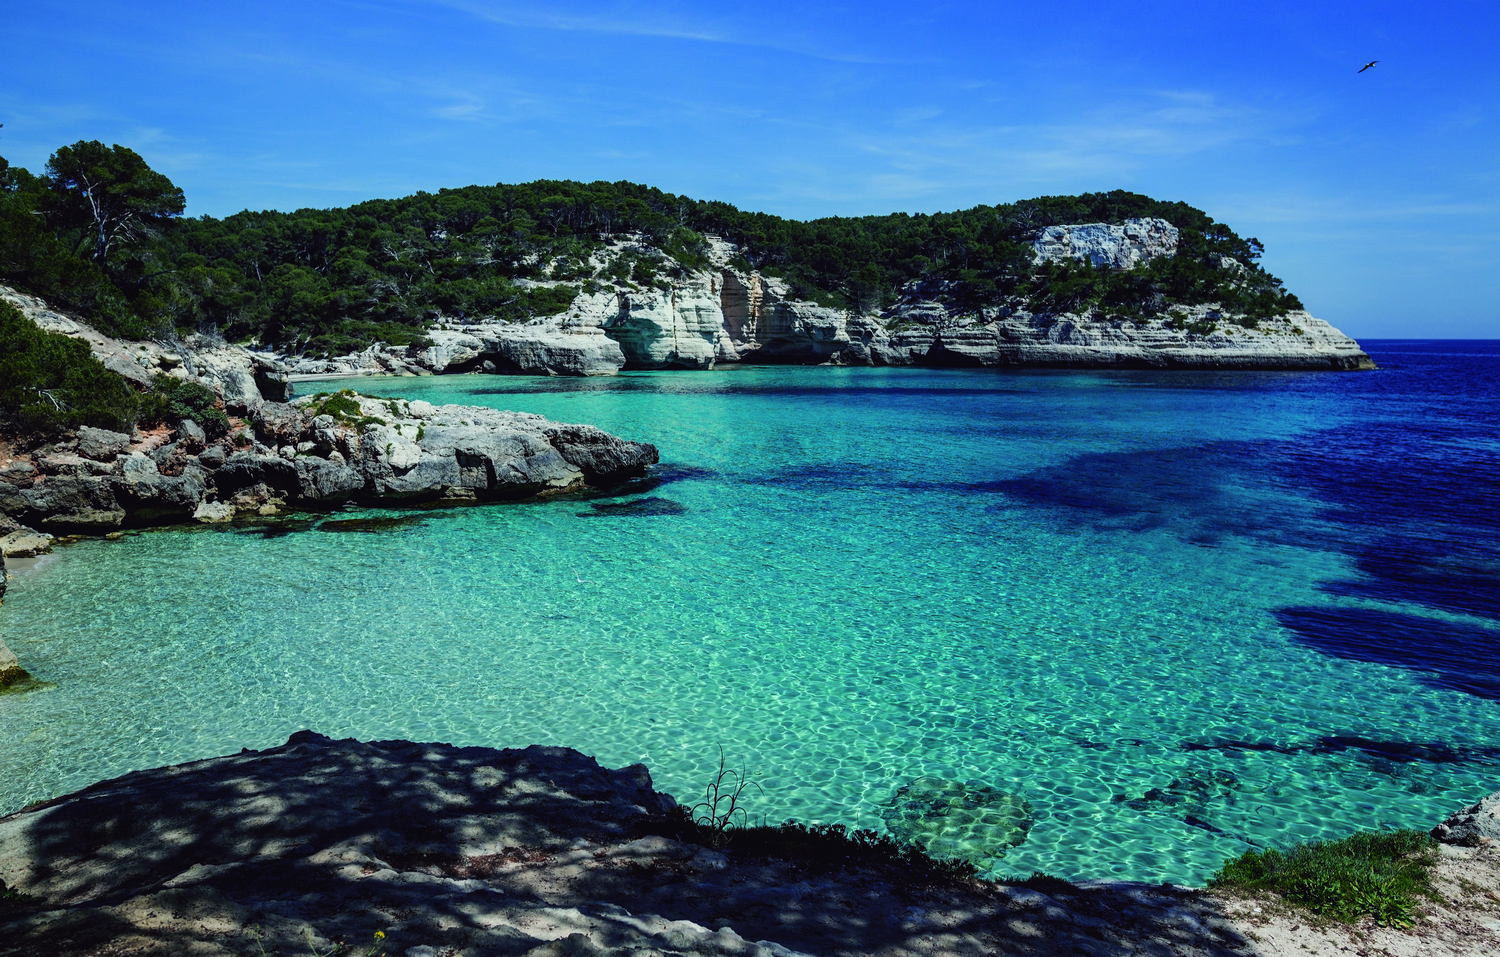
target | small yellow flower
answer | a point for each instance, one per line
(380, 935)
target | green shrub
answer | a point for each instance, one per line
(1379, 874)
(343, 406)
(173, 400)
(50, 383)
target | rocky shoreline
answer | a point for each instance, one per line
(429, 849)
(315, 453)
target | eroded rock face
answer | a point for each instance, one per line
(1134, 242)
(929, 335)
(726, 312)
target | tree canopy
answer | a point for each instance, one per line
(324, 281)
(109, 194)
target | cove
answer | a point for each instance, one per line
(1047, 586)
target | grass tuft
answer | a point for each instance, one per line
(816, 848)
(1379, 874)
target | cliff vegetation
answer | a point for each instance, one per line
(102, 234)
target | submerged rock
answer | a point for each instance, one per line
(386, 523)
(959, 819)
(13, 678)
(635, 508)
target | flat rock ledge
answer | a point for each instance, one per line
(318, 845)
(293, 456)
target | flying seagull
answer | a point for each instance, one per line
(1367, 66)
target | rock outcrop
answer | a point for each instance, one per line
(1475, 825)
(242, 378)
(321, 846)
(1124, 246)
(294, 456)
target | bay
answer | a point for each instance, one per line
(1175, 614)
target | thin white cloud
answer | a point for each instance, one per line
(656, 23)
(469, 108)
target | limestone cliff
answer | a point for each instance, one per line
(725, 313)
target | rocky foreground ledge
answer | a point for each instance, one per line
(317, 846)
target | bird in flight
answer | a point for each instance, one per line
(1368, 65)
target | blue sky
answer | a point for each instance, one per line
(1376, 194)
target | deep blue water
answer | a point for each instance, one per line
(1170, 615)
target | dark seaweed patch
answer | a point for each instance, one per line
(1434, 572)
(1232, 746)
(655, 477)
(635, 508)
(1379, 750)
(1192, 492)
(372, 525)
(1440, 654)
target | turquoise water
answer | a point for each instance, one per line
(1079, 589)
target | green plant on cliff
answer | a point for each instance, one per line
(172, 400)
(343, 407)
(50, 383)
(327, 281)
(1379, 874)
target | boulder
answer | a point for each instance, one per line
(213, 457)
(12, 676)
(213, 512)
(602, 457)
(271, 381)
(150, 497)
(72, 503)
(25, 543)
(324, 480)
(1475, 825)
(278, 424)
(101, 445)
(244, 469)
(190, 432)
(544, 349)
(229, 371)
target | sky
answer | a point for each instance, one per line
(1376, 193)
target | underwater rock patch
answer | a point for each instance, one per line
(959, 819)
(371, 525)
(279, 529)
(1194, 789)
(635, 508)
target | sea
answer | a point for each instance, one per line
(1100, 624)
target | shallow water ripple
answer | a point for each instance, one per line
(1152, 608)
